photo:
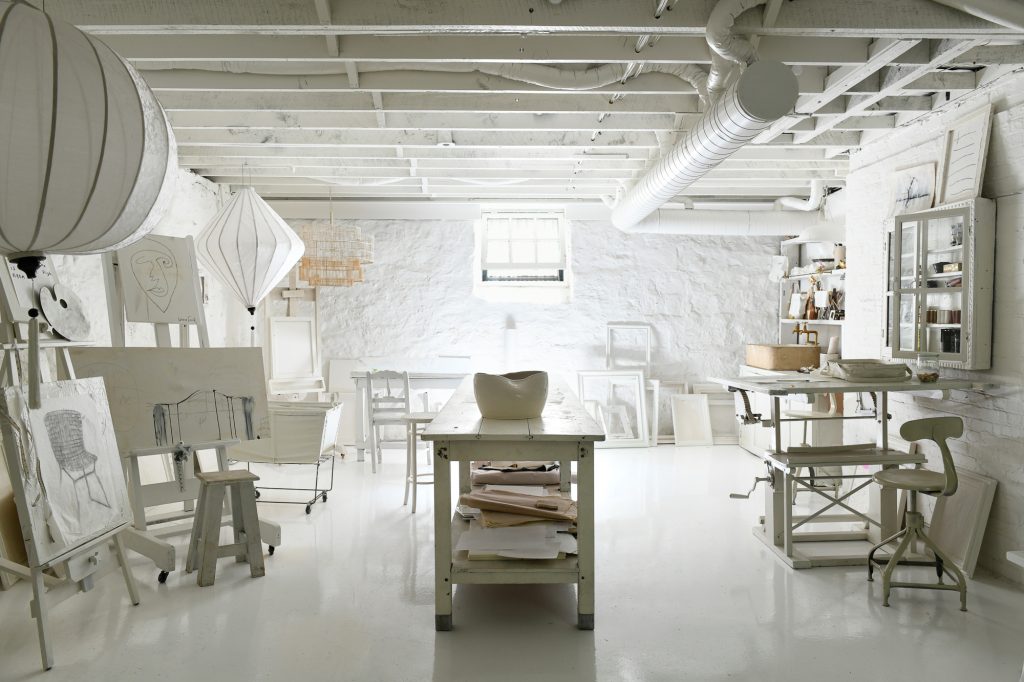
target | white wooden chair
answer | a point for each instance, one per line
(389, 404)
(300, 433)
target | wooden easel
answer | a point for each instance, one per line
(78, 567)
(147, 537)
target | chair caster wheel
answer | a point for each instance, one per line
(309, 509)
(162, 577)
(270, 550)
(324, 497)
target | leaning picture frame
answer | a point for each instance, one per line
(964, 152)
(617, 400)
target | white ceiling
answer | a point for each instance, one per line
(389, 99)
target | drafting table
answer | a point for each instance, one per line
(564, 433)
(417, 380)
(786, 467)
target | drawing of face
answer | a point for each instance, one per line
(156, 271)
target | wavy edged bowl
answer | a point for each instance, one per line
(516, 395)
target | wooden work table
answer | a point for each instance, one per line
(792, 469)
(564, 433)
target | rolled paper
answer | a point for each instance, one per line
(833, 345)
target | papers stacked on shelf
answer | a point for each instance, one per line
(502, 508)
(547, 540)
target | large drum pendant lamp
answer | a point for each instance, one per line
(249, 247)
(86, 154)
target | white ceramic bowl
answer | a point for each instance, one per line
(517, 395)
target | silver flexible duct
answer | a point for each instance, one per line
(763, 93)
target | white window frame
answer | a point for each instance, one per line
(529, 291)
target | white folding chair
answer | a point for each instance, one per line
(389, 404)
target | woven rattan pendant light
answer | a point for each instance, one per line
(335, 254)
(87, 159)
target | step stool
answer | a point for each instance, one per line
(204, 548)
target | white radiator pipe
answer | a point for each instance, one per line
(728, 223)
(765, 92)
(811, 203)
(1008, 13)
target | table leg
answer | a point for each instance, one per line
(135, 494)
(787, 513)
(360, 425)
(465, 479)
(585, 536)
(565, 475)
(442, 539)
(774, 506)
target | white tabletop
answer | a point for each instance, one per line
(564, 418)
(789, 383)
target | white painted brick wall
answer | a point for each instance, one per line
(993, 444)
(705, 297)
(195, 202)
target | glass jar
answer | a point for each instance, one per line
(927, 367)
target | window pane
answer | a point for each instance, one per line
(549, 252)
(547, 229)
(497, 228)
(524, 251)
(497, 251)
(523, 228)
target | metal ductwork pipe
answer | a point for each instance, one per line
(1008, 13)
(766, 91)
(727, 223)
(811, 203)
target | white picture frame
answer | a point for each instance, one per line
(913, 188)
(667, 389)
(722, 409)
(293, 348)
(617, 400)
(958, 522)
(964, 153)
(691, 419)
(616, 359)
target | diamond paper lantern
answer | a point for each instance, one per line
(249, 247)
(86, 155)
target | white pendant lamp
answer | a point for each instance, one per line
(86, 154)
(249, 247)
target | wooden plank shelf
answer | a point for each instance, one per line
(787, 320)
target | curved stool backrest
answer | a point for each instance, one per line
(937, 429)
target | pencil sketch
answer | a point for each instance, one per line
(157, 280)
(914, 188)
(64, 457)
(160, 396)
(66, 431)
(205, 415)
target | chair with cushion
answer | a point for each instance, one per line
(914, 481)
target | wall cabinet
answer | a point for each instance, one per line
(941, 268)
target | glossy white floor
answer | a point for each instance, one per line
(684, 592)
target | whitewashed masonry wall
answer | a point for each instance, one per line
(993, 444)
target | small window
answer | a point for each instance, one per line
(519, 251)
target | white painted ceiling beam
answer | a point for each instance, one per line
(894, 80)
(474, 192)
(233, 137)
(810, 80)
(239, 175)
(399, 167)
(838, 83)
(864, 18)
(484, 102)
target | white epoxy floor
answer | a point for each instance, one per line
(684, 592)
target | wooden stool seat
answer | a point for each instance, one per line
(920, 480)
(204, 547)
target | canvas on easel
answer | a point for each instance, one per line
(64, 466)
(158, 276)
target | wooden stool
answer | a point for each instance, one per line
(204, 548)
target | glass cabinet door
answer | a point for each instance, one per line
(943, 304)
(906, 288)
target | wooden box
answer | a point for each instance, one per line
(782, 357)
